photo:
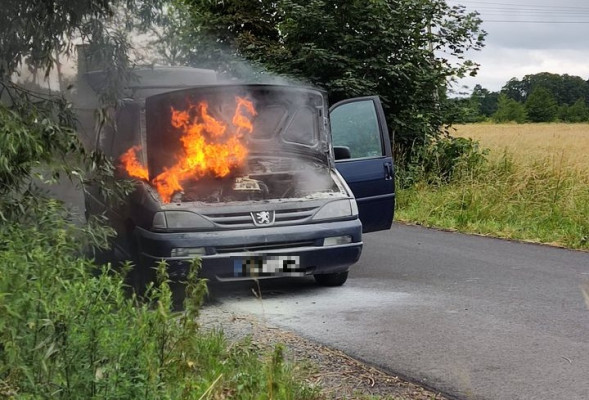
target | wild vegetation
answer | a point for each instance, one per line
(70, 330)
(531, 184)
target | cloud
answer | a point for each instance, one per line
(517, 48)
(537, 36)
(498, 65)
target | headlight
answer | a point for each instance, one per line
(337, 209)
(180, 220)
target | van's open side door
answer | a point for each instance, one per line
(363, 157)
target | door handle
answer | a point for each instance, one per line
(388, 171)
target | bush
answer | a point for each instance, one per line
(509, 110)
(440, 161)
(70, 330)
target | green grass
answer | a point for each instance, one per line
(542, 201)
(70, 331)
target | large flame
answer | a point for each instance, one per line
(209, 147)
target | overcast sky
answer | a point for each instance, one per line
(527, 37)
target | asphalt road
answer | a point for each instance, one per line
(473, 317)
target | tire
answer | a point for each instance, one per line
(102, 256)
(141, 276)
(178, 295)
(336, 279)
(138, 279)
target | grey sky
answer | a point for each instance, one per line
(527, 37)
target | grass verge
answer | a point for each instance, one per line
(543, 200)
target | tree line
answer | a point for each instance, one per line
(542, 97)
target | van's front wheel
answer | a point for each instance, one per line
(336, 279)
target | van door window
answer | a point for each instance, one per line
(355, 126)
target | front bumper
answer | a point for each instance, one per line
(223, 248)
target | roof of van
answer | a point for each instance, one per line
(160, 79)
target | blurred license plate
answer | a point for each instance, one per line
(256, 266)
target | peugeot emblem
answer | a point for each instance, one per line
(262, 218)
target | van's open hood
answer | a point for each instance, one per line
(246, 141)
(284, 120)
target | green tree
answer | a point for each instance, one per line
(348, 47)
(460, 110)
(515, 89)
(480, 105)
(541, 106)
(571, 89)
(509, 110)
(578, 112)
(37, 32)
(565, 89)
(486, 100)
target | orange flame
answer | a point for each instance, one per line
(132, 165)
(209, 147)
(238, 119)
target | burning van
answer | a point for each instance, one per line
(256, 180)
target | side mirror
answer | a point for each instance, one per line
(342, 152)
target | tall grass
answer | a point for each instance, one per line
(512, 195)
(70, 331)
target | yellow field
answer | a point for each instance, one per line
(565, 145)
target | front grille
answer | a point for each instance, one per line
(263, 247)
(243, 219)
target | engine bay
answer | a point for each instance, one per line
(263, 178)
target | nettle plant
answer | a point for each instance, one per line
(72, 330)
(69, 329)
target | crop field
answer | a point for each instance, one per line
(533, 187)
(564, 144)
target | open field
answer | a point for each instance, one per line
(534, 187)
(566, 144)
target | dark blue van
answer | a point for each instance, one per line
(258, 181)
